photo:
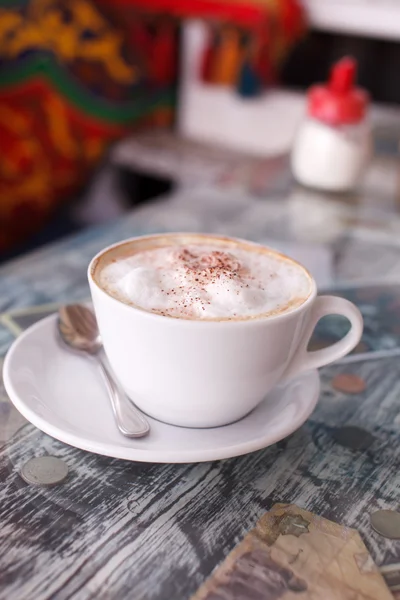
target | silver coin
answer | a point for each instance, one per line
(44, 470)
(386, 523)
(353, 437)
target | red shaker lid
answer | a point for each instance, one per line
(339, 102)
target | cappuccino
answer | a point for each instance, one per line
(202, 277)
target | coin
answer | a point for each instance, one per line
(386, 523)
(353, 437)
(44, 470)
(348, 383)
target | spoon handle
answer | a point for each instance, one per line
(130, 421)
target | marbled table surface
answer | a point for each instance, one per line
(119, 530)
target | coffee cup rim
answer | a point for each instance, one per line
(203, 322)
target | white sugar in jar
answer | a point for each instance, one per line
(333, 144)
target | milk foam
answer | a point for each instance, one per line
(206, 281)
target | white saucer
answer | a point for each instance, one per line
(63, 395)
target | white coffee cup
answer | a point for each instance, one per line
(207, 373)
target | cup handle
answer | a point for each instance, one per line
(326, 305)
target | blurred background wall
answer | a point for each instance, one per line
(78, 75)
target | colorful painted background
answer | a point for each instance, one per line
(75, 75)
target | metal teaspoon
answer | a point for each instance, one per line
(78, 329)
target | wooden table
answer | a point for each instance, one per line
(119, 530)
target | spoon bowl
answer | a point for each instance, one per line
(78, 328)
